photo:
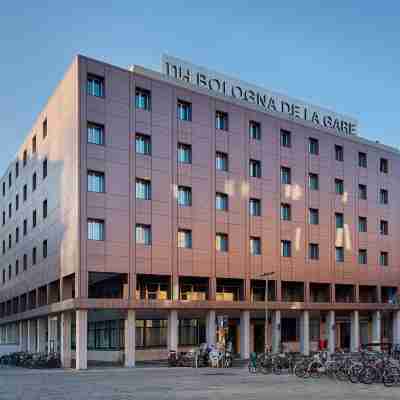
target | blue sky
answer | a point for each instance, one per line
(342, 55)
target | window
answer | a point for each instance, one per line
(362, 256)
(221, 120)
(34, 218)
(96, 182)
(143, 144)
(143, 234)
(16, 235)
(9, 210)
(384, 258)
(44, 209)
(286, 139)
(221, 161)
(34, 181)
(384, 165)
(338, 152)
(384, 196)
(9, 241)
(255, 207)
(96, 229)
(313, 216)
(313, 251)
(362, 160)
(44, 168)
(4, 276)
(143, 99)
(25, 158)
(25, 192)
(25, 262)
(16, 202)
(339, 254)
(286, 176)
(384, 227)
(184, 238)
(16, 267)
(143, 189)
(313, 181)
(286, 212)
(44, 248)
(255, 246)
(362, 224)
(362, 192)
(34, 256)
(184, 153)
(339, 186)
(4, 218)
(4, 189)
(16, 169)
(255, 168)
(339, 220)
(34, 145)
(254, 130)
(95, 86)
(184, 196)
(4, 247)
(221, 201)
(95, 133)
(286, 248)
(184, 111)
(9, 179)
(44, 129)
(25, 224)
(9, 272)
(313, 146)
(221, 242)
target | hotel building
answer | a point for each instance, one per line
(143, 206)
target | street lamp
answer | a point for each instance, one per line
(266, 275)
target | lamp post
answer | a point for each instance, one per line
(266, 275)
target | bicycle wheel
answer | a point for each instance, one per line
(300, 370)
(368, 375)
(389, 379)
(354, 373)
(341, 374)
(315, 370)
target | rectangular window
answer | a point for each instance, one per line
(184, 196)
(362, 160)
(313, 181)
(44, 129)
(34, 256)
(339, 254)
(286, 139)
(9, 210)
(4, 247)
(384, 227)
(16, 170)
(255, 207)
(44, 168)
(313, 218)
(362, 224)
(184, 111)
(254, 130)
(184, 153)
(44, 248)
(143, 234)
(4, 218)
(4, 189)
(95, 133)
(383, 165)
(313, 146)
(286, 176)
(221, 242)
(16, 235)
(9, 241)
(255, 168)
(362, 192)
(313, 251)
(16, 202)
(25, 158)
(286, 212)
(338, 153)
(339, 186)
(286, 248)
(34, 218)
(9, 179)
(95, 86)
(96, 181)
(44, 209)
(384, 196)
(184, 238)
(34, 145)
(221, 161)
(221, 201)
(34, 182)
(16, 268)
(96, 229)
(339, 220)
(362, 256)
(25, 224)
(143, 144)
(143, 189)
(384, 258)
(221, 120)
(255, 246)
(143, 99)
(25, 262)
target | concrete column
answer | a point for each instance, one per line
(24, 336)
(276, 331)
(130, 339)
(32, 334)
(173, 330)
(331, 331)
(65, 347)
(175, 287)
(20, 336)
(355, 331)
(376, 328)
(267, 339)
(396, 327)
(52, 334)
(211, 328)
(245, 335)
(81, 339)
(305, 333)
(41, 327)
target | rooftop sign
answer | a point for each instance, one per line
(266, 100)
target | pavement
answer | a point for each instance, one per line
(152, 383)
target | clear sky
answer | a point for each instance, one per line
(343, 55)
